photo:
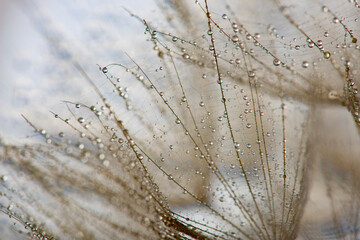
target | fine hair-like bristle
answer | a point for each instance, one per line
(207, 120)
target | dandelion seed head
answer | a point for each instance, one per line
(213, 124)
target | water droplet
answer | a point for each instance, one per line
(101, 156)
(252, 74)
(327, 55)
(4, 178)
(234, 25)
(305, 64)
(333, 95)
(276, 62)
(186, 56)
(104, 70)
(235, 38)
(81, 120)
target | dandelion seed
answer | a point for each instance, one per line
(213, 125)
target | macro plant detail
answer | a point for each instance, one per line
(234, 120)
